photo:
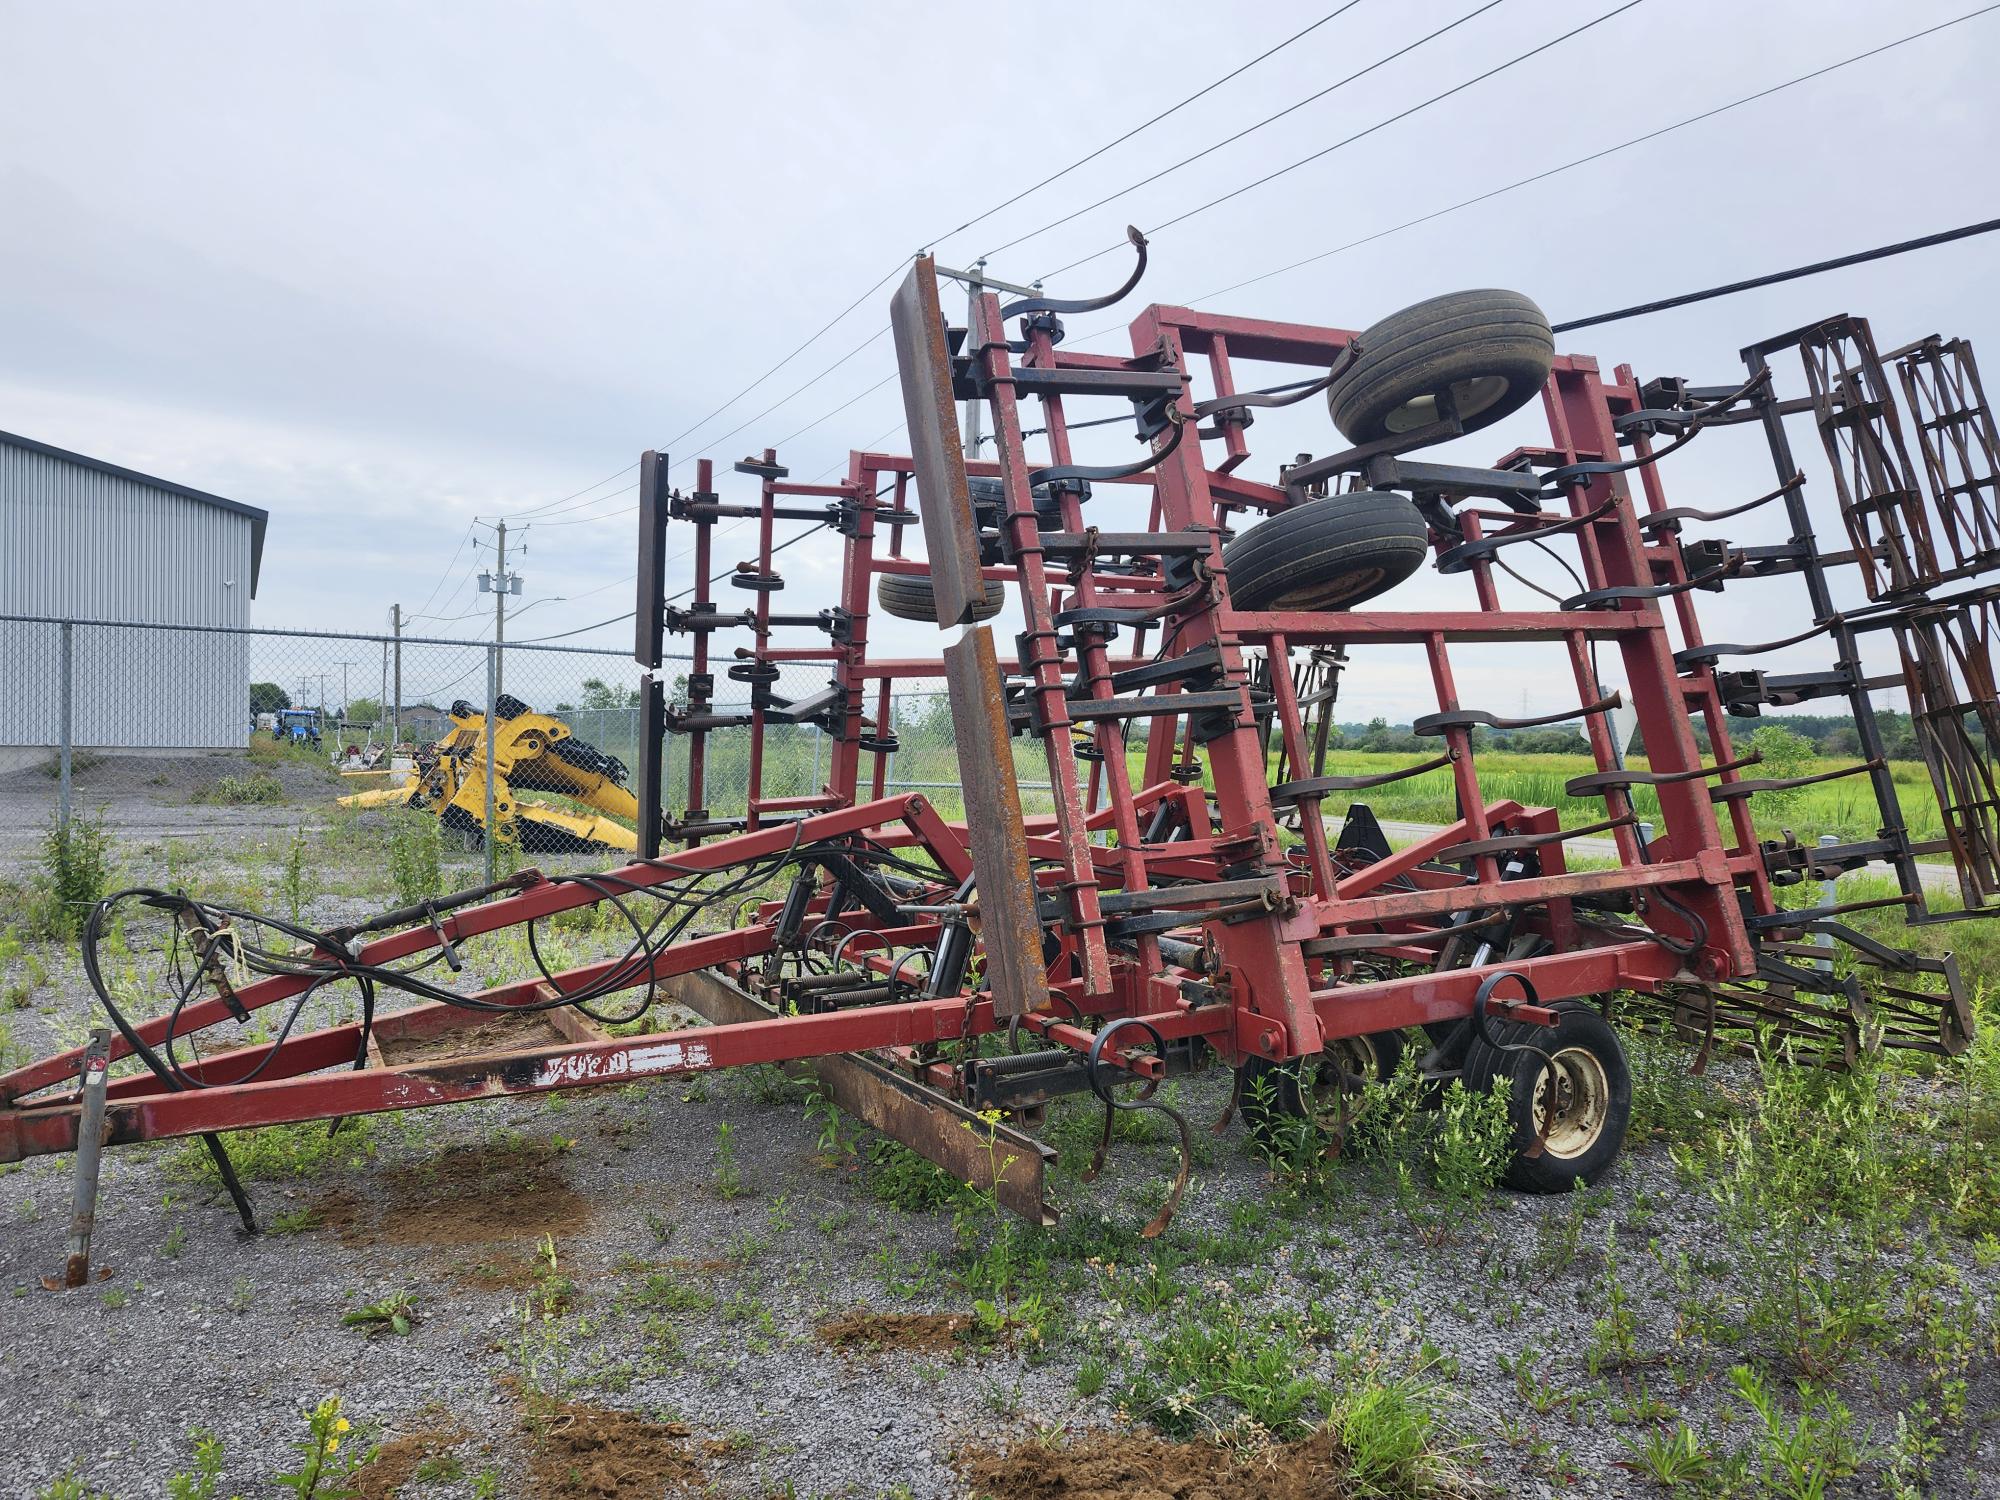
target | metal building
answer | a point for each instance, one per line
(82, 540)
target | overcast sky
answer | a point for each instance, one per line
(384, 268)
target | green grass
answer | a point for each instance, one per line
(276, 1152)
(1845, 807)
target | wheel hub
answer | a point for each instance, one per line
(1572, 1100)
(1468, 398)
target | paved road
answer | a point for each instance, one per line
(1934, 877)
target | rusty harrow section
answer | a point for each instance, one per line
(1181, 628)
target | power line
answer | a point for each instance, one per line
(715, 443)
(449, 600)
(867, 447)
(672, 442)
(979, 218)
(449, 564)
(584, 629)
(540, 514)
(1860, 257)
(1269, 177)
(988, 213)
(1534, 178)
(1149, 124)
(551, 505)
(1372, 129)
(1229, 140)
(1599, 155)
(801, 432)
(609, 515)
(710, 447)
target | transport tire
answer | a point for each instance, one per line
(909, 596)
(1586, 1065)
(1307, 1088)
(1327, 554)
(1490, 349)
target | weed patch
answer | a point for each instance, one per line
(279, 1151)
(259, 787)
(75, 873)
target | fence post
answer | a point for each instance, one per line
(667, 775)
(1827, 897)
(492, 693)
(67, 694)
(396, 712)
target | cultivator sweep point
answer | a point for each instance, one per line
(1184, 628)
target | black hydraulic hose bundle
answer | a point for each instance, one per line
(218, 936)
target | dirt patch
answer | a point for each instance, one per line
(582, 1452)
(506, 1034)
(1126, 1466)
(920, 1332)
(396, 1459)
(477, 1197)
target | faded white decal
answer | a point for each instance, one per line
(602, 1067)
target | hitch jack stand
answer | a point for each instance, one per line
(89, 1155)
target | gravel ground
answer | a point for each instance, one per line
(141, 798)
(695, 1265)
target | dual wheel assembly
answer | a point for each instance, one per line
(1568, 1090)
(1475, 357)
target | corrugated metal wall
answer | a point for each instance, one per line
(82, 544)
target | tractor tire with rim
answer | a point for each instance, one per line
(909, 596)
(1490, 349)
(1327, 554)
(1586, 1065)
(1307, 1088)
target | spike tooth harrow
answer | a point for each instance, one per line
(1195, 908)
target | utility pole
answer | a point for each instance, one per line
(499, 615)
(501, 583)
(396, 708)
(344, 699)
(974, 408)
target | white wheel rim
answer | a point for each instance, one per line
(1471, 397)
(1575, 1119)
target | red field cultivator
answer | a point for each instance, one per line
(1185, 622)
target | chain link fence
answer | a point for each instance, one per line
(146, 719)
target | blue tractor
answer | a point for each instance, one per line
(298, 725)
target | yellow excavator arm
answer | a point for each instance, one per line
(531, 752)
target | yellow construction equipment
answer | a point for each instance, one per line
(531, 752)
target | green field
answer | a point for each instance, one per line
(1845, 807)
